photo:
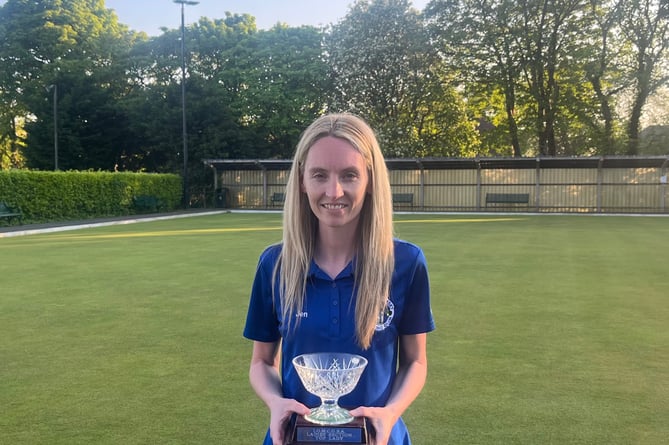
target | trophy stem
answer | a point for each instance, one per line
(329, 413)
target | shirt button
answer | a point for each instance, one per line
(335, 321)
(334, 284)
(335, 302)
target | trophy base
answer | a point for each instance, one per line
(307, 433)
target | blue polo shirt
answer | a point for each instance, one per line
(327, 324)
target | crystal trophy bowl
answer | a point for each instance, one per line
(329, 375)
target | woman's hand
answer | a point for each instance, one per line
(381, 420)
(281, 410)
(409, 381)
(265, 380)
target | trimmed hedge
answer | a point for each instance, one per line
(62, 196)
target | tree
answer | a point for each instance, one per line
(480, 41)
(75, 45)
(520, 48)
(645, 24)
(538, 53)
(600, 58)
(290, 86)
(384, 69)
(249, 93)
(551, 27)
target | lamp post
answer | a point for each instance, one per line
(184, 136)
(54, 87)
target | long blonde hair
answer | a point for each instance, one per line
(375, 257)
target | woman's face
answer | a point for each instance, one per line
(336, 182)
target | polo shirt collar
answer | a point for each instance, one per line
(316, 272)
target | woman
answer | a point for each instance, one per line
(340, 282)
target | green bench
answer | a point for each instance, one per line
(9, 212)
(146, 204)
(507, 198)
(278, 198)
(403, 198)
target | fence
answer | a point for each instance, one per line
(587, 185)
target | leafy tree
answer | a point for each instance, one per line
(564, 67)
(384, 69)
(287, 87)
(551, 27)
(521, 49)
(11, 154)
(75, 45)
(645, 24)
(249, 93)
(481, 42)
(600, 59)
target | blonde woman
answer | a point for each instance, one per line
(340, 282)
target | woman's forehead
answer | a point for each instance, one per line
(333, 152)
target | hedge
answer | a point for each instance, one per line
(62, 196)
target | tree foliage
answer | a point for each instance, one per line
(384, 68)
(75, 45)
(249, 93)
(645, 25)
(563, 67)
(462, 78)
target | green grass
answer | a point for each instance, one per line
(550, 330)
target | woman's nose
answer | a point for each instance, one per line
(334, 189)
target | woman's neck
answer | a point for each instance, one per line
(334, 250)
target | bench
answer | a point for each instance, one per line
(146, 204)
(9, 212)
(278, 198)
(403, 198)
(507, 198)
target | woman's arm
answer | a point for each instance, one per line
(265, 381)
(411, 375)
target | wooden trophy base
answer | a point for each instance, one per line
(304, 432)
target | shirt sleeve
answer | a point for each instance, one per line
(261, 319)
(418, 317)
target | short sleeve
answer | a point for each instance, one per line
(417, 318)
(261, 319)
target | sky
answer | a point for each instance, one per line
(150, 15)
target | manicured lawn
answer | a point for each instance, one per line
(550, 330)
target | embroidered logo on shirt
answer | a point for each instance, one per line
(386, 316)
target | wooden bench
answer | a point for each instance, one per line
(278, 198)
(9, 212)
(403, 198)
(507, 198)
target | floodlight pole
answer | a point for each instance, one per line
(54, 87)
(184, 134)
